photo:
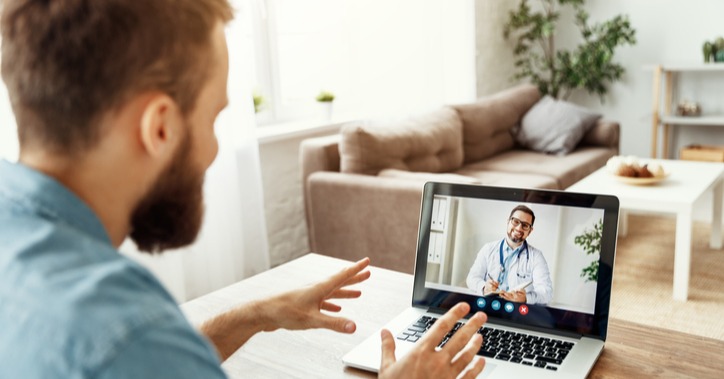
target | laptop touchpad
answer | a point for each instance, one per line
(488, 370)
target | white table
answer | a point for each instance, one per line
(688, 183)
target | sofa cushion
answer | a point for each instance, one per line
(473, 176)
(507, 179)
(566, 169)
(428, 176)
(488, 122)
(430, 143)
(555, 126)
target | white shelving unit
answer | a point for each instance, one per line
(665, 117)
(701, 120)
(438, 256)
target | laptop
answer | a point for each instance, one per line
(560, 330)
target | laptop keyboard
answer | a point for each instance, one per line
(503, 345)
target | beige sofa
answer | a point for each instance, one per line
(362, 187)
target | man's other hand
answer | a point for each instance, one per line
(457, 359)
(302, 308)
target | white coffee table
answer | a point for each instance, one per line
(688, 183)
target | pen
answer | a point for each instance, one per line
(490, 277)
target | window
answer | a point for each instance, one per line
(376, 56)
(8, 131)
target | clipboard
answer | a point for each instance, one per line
(514, 289)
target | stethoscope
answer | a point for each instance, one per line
(503, 274)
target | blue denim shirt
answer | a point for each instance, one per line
(71, 306)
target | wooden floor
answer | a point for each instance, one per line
(643, 276)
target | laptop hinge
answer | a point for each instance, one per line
(562, 333)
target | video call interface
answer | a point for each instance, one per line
(531, 263)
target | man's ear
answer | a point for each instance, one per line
(160, 125)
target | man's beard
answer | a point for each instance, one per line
(170, 215)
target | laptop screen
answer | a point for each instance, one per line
(530, 258)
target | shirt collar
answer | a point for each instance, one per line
(507, 250)
(38, 193)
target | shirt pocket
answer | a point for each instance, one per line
(524, 277)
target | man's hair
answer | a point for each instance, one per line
(66, 63)
(525, 209)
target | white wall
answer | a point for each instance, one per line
(569, 289)
(493, 57)
(413, 56)
(283, 200)
(667, 32)
(8, 133)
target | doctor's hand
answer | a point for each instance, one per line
(516, 296)
(490, 286)
(457, 359)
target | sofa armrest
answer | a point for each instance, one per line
(319, 154)
(605, 133)
(352, 216)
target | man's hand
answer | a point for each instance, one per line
(297, 309)
(517, 296)
(301, 308)
(425, 361)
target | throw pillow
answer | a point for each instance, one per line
(488, 122)
(555, 126)
(431, 142)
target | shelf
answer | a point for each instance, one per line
(701, 120)
(663, 117)
(718, 66)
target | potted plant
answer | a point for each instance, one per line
(557, 72)
(719, 50)
(259, 101)
(326, 98)
(590, 241)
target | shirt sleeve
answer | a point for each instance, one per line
(169, 349)
(476, 275)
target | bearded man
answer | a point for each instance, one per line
(115, 102)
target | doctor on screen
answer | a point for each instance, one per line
(512, 268)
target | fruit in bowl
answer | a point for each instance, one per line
(631, 167)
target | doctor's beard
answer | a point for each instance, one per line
(515, 240)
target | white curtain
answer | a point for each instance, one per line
(233, 243)
(8, 132)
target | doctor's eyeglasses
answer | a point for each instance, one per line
(524, 225)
